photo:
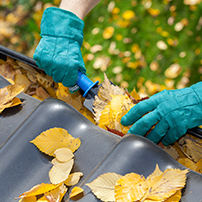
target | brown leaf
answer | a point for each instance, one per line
(7, 95)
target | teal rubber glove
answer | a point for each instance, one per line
(174, 111)
(58, 52)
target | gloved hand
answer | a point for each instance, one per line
(174, 111)
(58, 52)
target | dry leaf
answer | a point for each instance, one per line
(60, 171)
(199, 166)
(175, 197)
(193, 149)
(187, 163)
(108, 32)
(159, 186)
(28, 199)
(157, 172)
(55, 138)
(6, 70)
(166, 184)
(171, 151)
(134, 94)
(41, 93)
(39, 189)
(63, 154)
(21, 79)
(75, 191)
(114, 111)
(75, 99)
(54, 195)
(110, 105)
(104, 186)
(7, 95)
(88, 114)
(162, 45)
(131, 187)
(173, 71)
(73, 178)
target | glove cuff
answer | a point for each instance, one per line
(57, 22)
(197, 88)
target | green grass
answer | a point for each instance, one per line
(146, 36)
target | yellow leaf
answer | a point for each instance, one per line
(63, 154)
(157, 172)
(104, 186)
(134, 94)
(75, 191)
(75, 99)
(85, 112)
(73, 178)
(187, 163)
(123, 23)
(129, 14)
(199, 166)
(131, 187)
(108, 32)
(54, 195)
(154, 12)
(110, 105)
(55, 138)
(165, 185)
(28, 199)
(39, 189)
(113, 112)
(7, 94)
(60, 171)
(21, 79)
(175, 197)
(173, 71)
(15, 101)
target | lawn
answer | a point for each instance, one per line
(147, 44)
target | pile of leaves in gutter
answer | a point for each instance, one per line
(111, 103)
(110, 100)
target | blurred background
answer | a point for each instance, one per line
(147, 44)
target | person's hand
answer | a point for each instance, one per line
(174, 111)
(58, 52)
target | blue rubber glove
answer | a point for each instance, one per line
(58, 52)
(174, 111)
